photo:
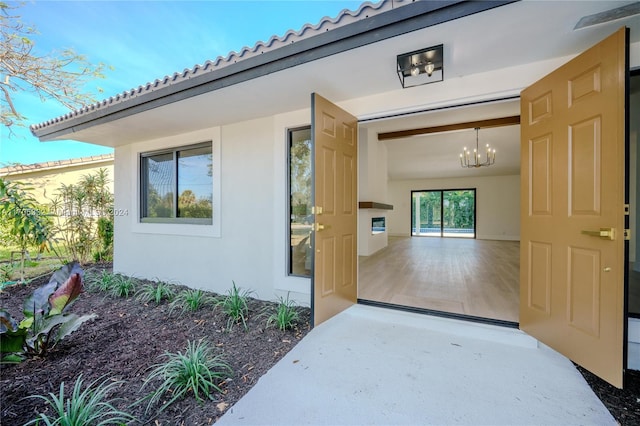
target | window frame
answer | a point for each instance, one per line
(289, 255)
(143, 179)
(442, 191)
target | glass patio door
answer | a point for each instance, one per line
(443, 213)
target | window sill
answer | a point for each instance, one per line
(182, 229)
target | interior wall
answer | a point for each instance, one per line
(497, 204)
(372, 186)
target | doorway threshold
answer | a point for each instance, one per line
(433, 312)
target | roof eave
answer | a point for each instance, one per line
(379, 27)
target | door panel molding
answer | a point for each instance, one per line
(335, 134)
(573, 142)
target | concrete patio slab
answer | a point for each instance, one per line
(375, 366)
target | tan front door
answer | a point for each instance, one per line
(335, 141)
(572, 198)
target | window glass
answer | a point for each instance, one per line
(300, 202)
(439, 213)
(195, 197)
(459, 213)
(425, 213)
(177, 185)
(159, 177)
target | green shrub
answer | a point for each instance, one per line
(285, 315)
(234, 305)
(81, 207)
(23, 221)
(198, 370)
(98, 282)
(46, 319)
(6, 271)
(122, 286)
(105, 236)
(114, 284)
(191, 300)
(155, 292)
(90, 406)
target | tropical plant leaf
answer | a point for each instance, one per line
(64, 296)
(45, 327)
(7, 322)
(12, 341)
(26, 322)
(11, 359)
(43, 340)
(62, 275)
(73, 324)
(38, 303)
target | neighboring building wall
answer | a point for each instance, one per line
(46, 178)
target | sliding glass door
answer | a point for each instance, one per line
(444, 213)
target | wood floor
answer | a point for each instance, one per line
(472, 277)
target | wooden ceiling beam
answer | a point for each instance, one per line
(483, 124)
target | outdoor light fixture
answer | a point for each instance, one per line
(421, 66)
(474, 159)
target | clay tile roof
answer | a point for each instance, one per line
(48, 165)
(345, 17)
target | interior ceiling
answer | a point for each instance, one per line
(436, 155)
(517, 33)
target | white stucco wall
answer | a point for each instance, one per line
(197, 255)
(497, 204)
(249, 246)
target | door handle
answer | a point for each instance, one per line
(604, 233)
(320, 227)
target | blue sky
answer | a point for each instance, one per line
(142, 41)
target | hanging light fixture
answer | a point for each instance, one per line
(475, 159)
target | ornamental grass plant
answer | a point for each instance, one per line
(88, 406)
(198, 370)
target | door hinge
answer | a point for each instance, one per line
(627, 209)
(627, 234)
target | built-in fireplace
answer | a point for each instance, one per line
(378, 225)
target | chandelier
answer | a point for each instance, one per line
(475, 159)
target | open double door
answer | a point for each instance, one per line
(573, 216)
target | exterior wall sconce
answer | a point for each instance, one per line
(420, 67)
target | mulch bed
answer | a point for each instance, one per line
(128, 337)
(623, 404)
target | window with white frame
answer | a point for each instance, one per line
(177, 185)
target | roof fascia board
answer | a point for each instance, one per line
(395, 22)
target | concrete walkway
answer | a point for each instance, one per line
(374, 366)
